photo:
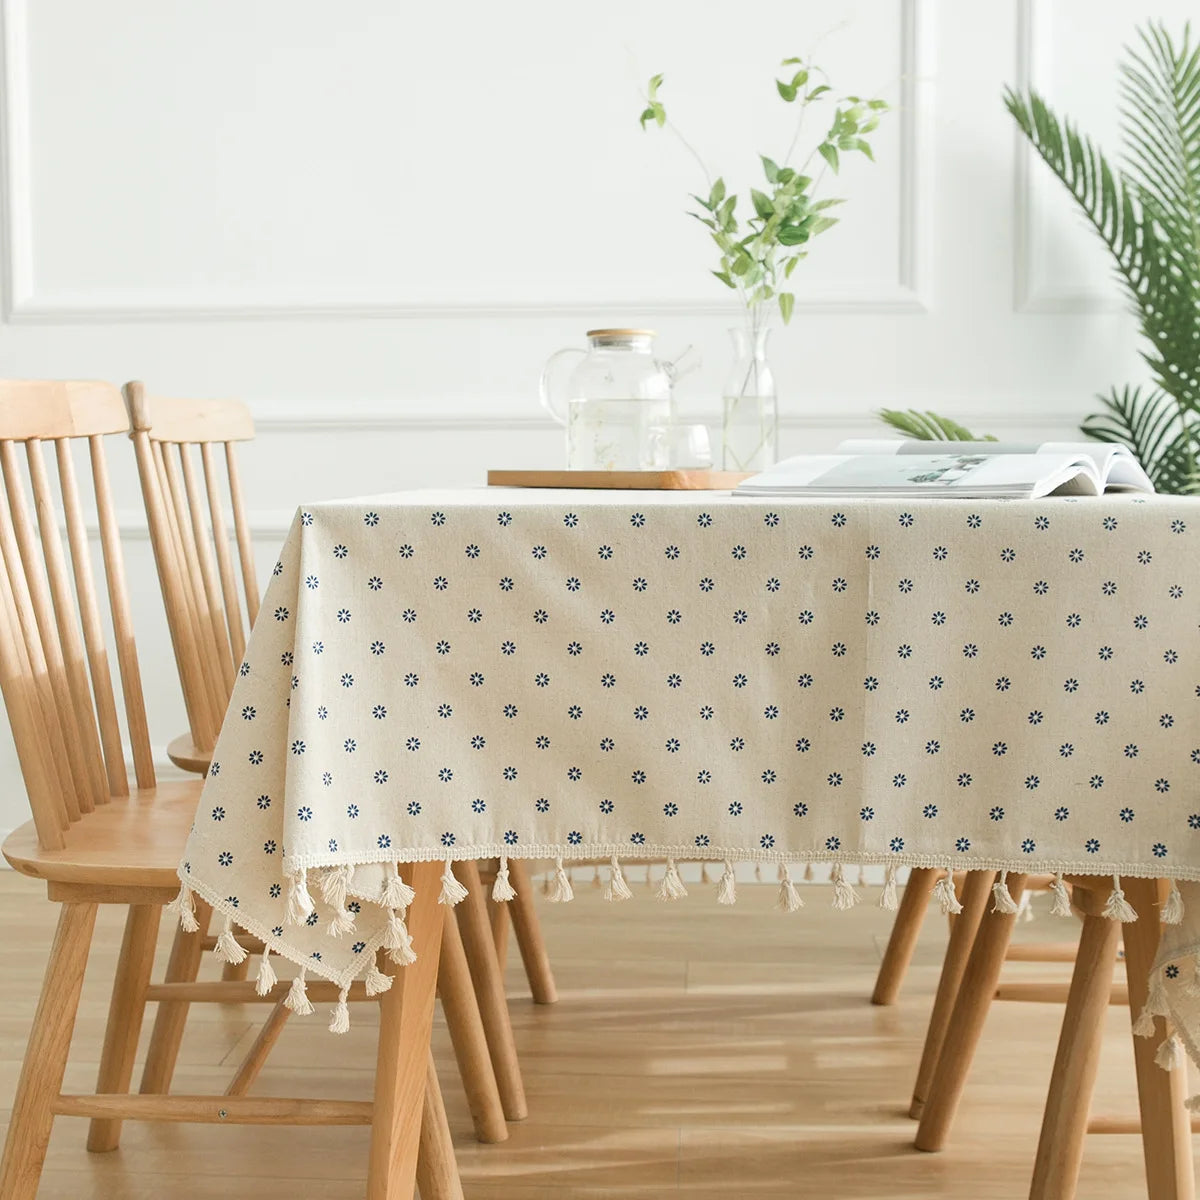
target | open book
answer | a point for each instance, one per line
(970, 470)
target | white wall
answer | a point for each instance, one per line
(373, 221)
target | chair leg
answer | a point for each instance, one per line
(237, 970)
(46, 1055)
(498, 915)
(402, 1061)
(182, 967)
(903, 940)
(489, 991)
(470, 1041)
(1166, 1127)
(976, 892)
(125, 1013)
(437, 1168)
(1065, 1119)
(256, 1056)
(528, 931)
(975, 993)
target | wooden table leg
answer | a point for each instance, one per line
(256, 1056)
(125, 1012)
(528, 932)
(470, 1040)
(489, 991)
(976, 893)
(1166, 1128)
(1065, 1120)
(975, 994)
(182, 967)
(905, 930)
(437, 1168)
(498, 916)
(402, 1064)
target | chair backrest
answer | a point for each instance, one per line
(54, 669)
(192, 542)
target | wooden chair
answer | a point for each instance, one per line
(979, 942)
(96, 840)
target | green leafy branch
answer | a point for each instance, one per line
(929, 427)
(759, 254)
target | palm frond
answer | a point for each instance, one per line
(929, 427)
(1161, 436)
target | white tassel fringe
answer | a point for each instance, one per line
(1118, 908)
(727, 888)
(616, 888)
(396, 893)
(888, 899)
(943, 892)
(671, 887)
(397, 941)
(297, 998)
(1062, 898)
(334, 884)
(561, 891)
(183, 908)
(1172, 909)
(375, 981)
(299, 903)
(267, 978)
(228, 949)
(502, 889)
(1002, 901)
(452, 892)
(844, 896)
(1170, 1055)
(340, 1021)
(789, 899)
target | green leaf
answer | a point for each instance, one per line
(790, 265)
(785, 90)
(829, 153)
(819, 90)
(742, 264)
(647, 115)
(723, 276)
(929, 427)
(786, 175)
(862, 145)
(770, 169)
(660, 114)
(829, 202)
(792, 235)
(791, 62)
(820, 224)
(717, 194)
(762, 203)
(878, 105)
(786, 303)
(655, 84)
(799, 79)
(1161, 438)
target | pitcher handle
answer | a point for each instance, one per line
(544, 393)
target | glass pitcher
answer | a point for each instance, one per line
(616, 396)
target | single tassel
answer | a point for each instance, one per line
(789, 899)
(375, 981)
(1192, 1104)
(596, 880)
(228, 949)
(334, 883)
(299, 903)
(396, 893)
(616, 888)
(808, 873)
(844, 896)
(452, 892)
(943, 892)
(1002, 897)
(727, 889)
(397, 941)
(1172, 909)
(1192, 987)
(758, 872)
(1118, 908)
(341, 923)
(888, 899)
(704, 875)
(297, 998)
(267, 978)
(1062, 898)
(502, 890)
(1170, 1055)
(561, 890)
(183, 908)
(340, 1021)
(862, 876)
(671, 887)
(1155, 1006)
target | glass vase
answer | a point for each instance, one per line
(750, 410)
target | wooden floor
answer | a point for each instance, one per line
(696, 1050)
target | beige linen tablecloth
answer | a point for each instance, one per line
(486, 673)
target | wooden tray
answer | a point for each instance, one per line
(678, 480)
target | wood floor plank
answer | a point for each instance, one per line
(695, 1050)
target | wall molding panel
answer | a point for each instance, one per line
(27, 302)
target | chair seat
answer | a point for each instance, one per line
(187, 756)
(131, 841)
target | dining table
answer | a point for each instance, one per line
(669, 677)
